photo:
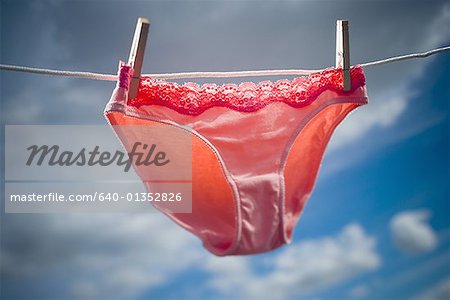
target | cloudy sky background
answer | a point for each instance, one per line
(377, 225)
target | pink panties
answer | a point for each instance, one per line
(256, 149)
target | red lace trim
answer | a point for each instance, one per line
(193, 99)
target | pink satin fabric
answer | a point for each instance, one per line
(252, 171)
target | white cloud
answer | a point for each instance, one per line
(109, 255)
(439, 30)
(122, 256)
(439, 291)
(411, 232)
(146, 246)
(381, 116)
(299, 269)
(386, 107)
(359, 291)
(403, 278)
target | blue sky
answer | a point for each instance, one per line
(377, 225)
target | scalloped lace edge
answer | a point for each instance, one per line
(193, 99)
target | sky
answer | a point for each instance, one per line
(377, 225)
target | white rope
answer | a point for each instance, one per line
(403, 57)
(110, 77)
(88, 75)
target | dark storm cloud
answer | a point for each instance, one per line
(190, 36)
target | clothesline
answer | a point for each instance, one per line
(184, 75)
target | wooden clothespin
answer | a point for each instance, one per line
(137, 54)
(343, 51)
